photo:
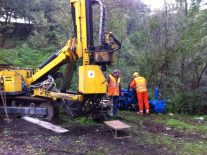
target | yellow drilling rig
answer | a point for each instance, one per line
(33, 92)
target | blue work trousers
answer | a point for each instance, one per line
(115, 105)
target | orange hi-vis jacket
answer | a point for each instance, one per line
(113, 86)
(140, 84)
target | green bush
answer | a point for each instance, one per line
(189, 102)
(23, 56)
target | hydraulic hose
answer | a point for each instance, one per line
(102, 21)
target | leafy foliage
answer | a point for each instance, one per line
(24, 56)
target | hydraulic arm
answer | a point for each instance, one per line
(66, 54)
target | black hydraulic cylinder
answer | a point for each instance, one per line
(74, 21)
(89, 21)
(52, 57)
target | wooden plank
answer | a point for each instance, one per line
(45, 124)
(116, 125)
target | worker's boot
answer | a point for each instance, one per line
(147, 112)
(140, 112)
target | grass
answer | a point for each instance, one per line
(21, 56)
(132, 116)
(183, 124)
(170, 143)
(189, 126)
(85, 121)
(179, 124)
(80, 121)
(203, 128)
(198, 147)
(180, 146)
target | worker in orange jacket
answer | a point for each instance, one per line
(140, 84)
(114, 88)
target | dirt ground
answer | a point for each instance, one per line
(149, 136)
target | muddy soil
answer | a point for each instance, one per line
(20, 137)
(150, 126)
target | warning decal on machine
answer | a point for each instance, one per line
(91, 74)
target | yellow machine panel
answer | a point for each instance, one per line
(12, 81)
(91, 80)
(26, 73)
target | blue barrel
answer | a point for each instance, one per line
(158, 106)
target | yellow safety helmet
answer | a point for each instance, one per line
(135, 74)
